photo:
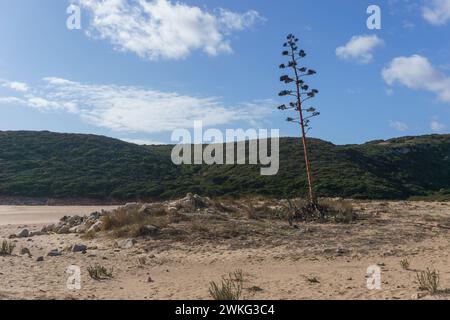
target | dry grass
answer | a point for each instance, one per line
(428, 280)
(123, 223)
(404, 263)
(7, 248)
(229, 289)
(99, 272)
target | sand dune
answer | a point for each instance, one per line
(316, 261)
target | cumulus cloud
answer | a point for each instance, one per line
(359, 48)
(436, 126)
(136, 109)
(437, 12)
(398, 125)
(416, 72)
(164, 29)
(15, 85)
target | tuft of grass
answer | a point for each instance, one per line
(99, 272)
(404, 263)
(7, 248)
(230, 287)
(123, 223)
(428, 280)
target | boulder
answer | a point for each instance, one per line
(126, 243)
(24, 233)
(78, 229)
(96, 227)
(65, 229)
(149, 208)
(131, 206)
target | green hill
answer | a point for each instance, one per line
(61, 166)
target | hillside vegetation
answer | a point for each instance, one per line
(61, 166)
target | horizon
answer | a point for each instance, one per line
(281, 137)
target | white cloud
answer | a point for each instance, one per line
(437, 126)
(14, 85)
(137, 109)
(162, 28)
(359, 48)
(437, 12)
(142, 141)
(398, 125)
(416, 72)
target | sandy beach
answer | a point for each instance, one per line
(43, 214)
(315, 261)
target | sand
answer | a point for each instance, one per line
(43, 214)
(319, 262)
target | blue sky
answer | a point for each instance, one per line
(139, 69)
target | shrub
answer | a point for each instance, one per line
(404, 264)
(428, 280)
(7, 248)
(99, 272)
(132, 223)
(230, 287)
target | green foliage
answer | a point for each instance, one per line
(72, 166)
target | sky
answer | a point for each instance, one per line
(138, 69)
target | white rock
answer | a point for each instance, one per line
(96, 227)
(126, 244)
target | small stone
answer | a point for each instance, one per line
(25, 251)
(79, 248)
(40, 259)
(54, 253)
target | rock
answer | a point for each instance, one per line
(54, 253)
(131, 206)
(78, 229)
(192, 202)
(149, 208)
(36, 233)
(340, 251)
(74, 221)
(126, 244)
(419, 295)
(48, 228)
(24, 233)
(40, 259)
(96, 215)
(25, 251)
(79, 248)
(96, 227)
